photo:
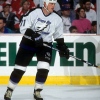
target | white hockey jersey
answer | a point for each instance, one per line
(49, 26)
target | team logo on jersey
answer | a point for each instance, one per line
(47, 55)
(42, 26)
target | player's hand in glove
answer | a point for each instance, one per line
(37, 39)
(63, 49)
(36, 36)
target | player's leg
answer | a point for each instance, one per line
(44, 59)
(41, 76)
(22, 60)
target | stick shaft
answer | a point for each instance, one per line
(73, 57)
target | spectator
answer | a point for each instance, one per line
(94, 3)
(68, 1)
(94, 27)
(83, 25)
(81, 4)
(78, 5)
(3, 28)
(73, 29)
(12, 21)
(72, 12)
(16, 5)
(66, 18)
(25, 7)
(75, 3)
(1, 3)
(90, 13)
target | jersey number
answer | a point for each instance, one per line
(22, 23)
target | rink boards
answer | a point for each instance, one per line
(62, 71)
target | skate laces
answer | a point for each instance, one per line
(37, 93)
(8, 94)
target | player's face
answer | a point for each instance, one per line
(50, 7)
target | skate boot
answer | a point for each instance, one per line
(8, 94)
(37, 95)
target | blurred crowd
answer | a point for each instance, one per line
(79, 16)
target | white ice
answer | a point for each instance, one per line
(66, 92)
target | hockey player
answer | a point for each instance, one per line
(38, 26)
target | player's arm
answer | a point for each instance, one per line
(25, 28)
(58, 37)
(35, 37)
(27, 21)
(61, 46)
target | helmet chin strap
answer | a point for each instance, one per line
(46, 9)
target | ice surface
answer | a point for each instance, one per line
(67, 92)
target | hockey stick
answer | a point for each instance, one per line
(74, 57)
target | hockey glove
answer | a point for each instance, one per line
(34, 36)
(37, 39)
(63, 49)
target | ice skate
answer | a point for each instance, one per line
(8, 94)
(37, 95)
